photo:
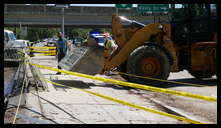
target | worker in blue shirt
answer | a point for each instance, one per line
(61, 48)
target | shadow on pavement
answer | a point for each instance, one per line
(199, 82)
(154, 83)
(85, 85)
(71, 83)
(207, 82)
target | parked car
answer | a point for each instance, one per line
(76, 41)
(12, 47)
(51, 42)
(11, 41)
(99, 37)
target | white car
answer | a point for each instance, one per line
(11, 41)
(12, 46)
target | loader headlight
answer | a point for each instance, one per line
(122, 18)
(125, 19)
(160, 26)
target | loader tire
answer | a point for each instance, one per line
(148, 61)
(201, 74)
(123, 68)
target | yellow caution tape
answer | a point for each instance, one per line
(42, 47)
(22, 58)
(134, 85)
(52, 51)
(161, 79)
(20, 52)
(45, 54)
(131, 104)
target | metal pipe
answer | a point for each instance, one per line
(125, 19)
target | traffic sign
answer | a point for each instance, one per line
(123, 5)
(152, 8)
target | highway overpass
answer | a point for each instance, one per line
(41, 15)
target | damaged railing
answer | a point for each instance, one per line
(19, 80)
(14, 53)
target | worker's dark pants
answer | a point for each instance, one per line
(60, 56)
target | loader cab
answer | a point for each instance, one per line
(193, 23)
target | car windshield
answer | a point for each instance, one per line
(78, 39)
(101, 40)
(12, 36)
(110, 38)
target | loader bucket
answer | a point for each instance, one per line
(86, 59)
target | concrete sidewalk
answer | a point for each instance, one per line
(69, 106)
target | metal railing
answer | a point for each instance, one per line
(13, 53)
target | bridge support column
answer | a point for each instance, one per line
(5, 8)
(82, 9)
(44, 8)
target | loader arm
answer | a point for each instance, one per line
(125, 48)
(118, 31)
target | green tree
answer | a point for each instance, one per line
(35, 34)
(78, 32)
(74, 32)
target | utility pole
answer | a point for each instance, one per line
(62, 6)
(62, 26)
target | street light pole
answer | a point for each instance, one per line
(62, 6)
(62, 26)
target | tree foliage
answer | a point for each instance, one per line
(41, 33)
(78, 32)
(35, 33)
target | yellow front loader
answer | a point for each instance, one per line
(187, 42)
(143, 50)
